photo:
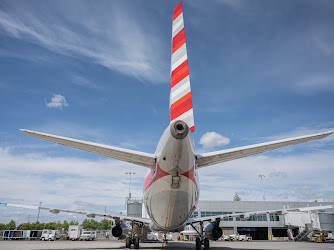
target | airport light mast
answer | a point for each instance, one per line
(39, 210)
(264, 195)
(130, 173)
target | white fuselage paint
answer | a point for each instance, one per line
(171, 188)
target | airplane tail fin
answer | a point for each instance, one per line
(180, 103)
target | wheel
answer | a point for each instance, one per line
(128, 242)
(206, 244)
(198, 244)
(136, 243)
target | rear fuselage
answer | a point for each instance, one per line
(171, 188)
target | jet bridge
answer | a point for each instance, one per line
(308, 224)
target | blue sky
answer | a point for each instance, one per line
(99, 71)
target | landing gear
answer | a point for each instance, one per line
(164, 245)
(200, 240)
(198, 243)
(133, 238)
(136, 243)
(206, 244)
(128, 242)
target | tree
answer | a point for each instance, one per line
(65, 225)
(51, 225)
(236, 197)
(73, 222)
(2, 226)
(26, 226)
(105, 224)
(86, 224)
(11, 225)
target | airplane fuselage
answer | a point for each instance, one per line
(171, 188)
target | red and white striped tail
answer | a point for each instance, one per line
(180, 103)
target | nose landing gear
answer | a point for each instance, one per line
(164, 244)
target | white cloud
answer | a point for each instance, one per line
(65, 183)
(57, 101)
(213, 139)
(294, 171)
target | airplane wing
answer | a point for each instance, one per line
(132, 156)
(116, 217)
(211, 158)
(249, 214)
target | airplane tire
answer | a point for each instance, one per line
(206, 244)
(136, 243)
(198, 244)
(128, 242)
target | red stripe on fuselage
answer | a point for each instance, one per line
(153, 176)
(191, 174)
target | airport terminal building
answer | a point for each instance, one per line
(265, 226)
(259, 227)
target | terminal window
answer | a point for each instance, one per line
(274, 217)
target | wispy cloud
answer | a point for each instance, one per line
(302, 193)
(113, 38)
(57, 101)
(84, 82)
(312, 85)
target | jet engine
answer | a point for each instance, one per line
(121, 230)
(212, 232)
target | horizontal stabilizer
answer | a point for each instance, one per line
(127, 155)
(211, 158)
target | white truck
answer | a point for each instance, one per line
(244, 238)
(48, 234)
(74, 232)
(88, 235)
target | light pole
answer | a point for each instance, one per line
(29, 218)
(264, 195)
(130, 173)
(39, 209)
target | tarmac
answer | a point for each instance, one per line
(114, 244)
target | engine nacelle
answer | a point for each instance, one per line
(212, 232)
(121, 230)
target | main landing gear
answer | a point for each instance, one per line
(133, 238)
(200, 240)
(129, 241)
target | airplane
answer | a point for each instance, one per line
(171, 188)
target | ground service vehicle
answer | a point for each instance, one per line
(48, 234)
(74, 232)
(87, 235)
